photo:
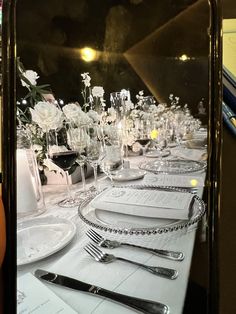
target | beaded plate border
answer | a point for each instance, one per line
(181, 225)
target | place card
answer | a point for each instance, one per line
(174, 180)
(146, 203)
(33, 297)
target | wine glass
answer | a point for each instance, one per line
(95, 151)
(143, 131)
(63, 157)
(77, 140)
(118, 102)
(160, 142)
(113, 150)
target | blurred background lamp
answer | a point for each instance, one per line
(88, 54)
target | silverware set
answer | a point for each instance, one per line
(111, 244)
(106, 258)
(103, 257)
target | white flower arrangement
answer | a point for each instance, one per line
(47, 116)
(98, 91)
(75, 114)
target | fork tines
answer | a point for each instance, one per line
(92, 250)
(93, 235)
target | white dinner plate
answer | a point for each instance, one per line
(157, 153)
(41, 237)
(128, 175)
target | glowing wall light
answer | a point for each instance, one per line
(88, 54)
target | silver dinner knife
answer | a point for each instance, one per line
(142, 305)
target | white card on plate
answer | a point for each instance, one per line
(146, 203)
(34, 297)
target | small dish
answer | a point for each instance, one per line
(128, 175)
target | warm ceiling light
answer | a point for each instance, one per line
(88, 54)
(184, 57)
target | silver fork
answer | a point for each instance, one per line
(103, 257)
(99, 240)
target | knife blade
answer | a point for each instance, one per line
(142, 305)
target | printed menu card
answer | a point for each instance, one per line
(146, 203)
(34, 297)
(174, 180)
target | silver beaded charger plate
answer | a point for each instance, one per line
(178, 166)
(114, 222)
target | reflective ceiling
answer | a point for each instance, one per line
(157, 46)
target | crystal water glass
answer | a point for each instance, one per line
(77, 140)
(95, 151)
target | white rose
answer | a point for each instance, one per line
(129, 105)
(71, 111)
(83, 118)
(160, 108)
(47, 116)
(98, 91)
(31, 76)
(93, 115)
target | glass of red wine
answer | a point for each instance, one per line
(143, 134)
(63, 157)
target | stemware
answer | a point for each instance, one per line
(95, 151)
(63, 157)
(119, 101)
(77, 138)
(113, 150)
(159, 138)
(143, 137)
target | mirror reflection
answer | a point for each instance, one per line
(112, 111)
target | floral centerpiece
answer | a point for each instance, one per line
(43, 113)
(131, 119)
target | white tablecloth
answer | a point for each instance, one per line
(118, 276)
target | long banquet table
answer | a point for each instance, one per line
(120, 277)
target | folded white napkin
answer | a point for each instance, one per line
(191, 154)
(145, 203)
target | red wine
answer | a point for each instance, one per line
(143, 141)
(64, 160)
